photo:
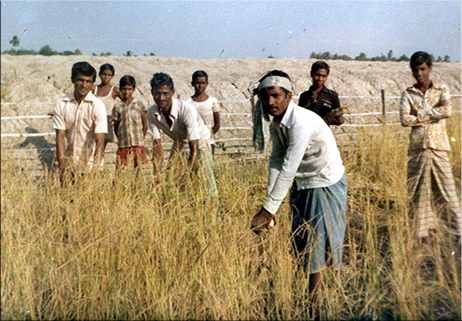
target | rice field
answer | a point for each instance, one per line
(136, 250)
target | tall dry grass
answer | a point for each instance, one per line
(141, 251)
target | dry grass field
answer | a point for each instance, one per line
(135, 250)
(139, 251)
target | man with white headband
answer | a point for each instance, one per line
(304, 155)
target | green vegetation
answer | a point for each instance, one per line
(362, 57)
(144, 251)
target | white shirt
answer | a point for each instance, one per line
(80, 123)
(206, 109)
(304, 149)
(187, 125)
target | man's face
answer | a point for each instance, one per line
(319, 77)
(82, 85)
(106, 76)
(127, 91)
(275, 101)
(421, 73)
(163, 98)
(200, 83)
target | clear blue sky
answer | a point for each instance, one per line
(202, 29)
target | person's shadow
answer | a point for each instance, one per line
(45, 154)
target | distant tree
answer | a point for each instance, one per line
(439, 59)
(313, 55)
(46, 51)
(152, 54)
(403, 58)
(447, 58)
(129, 54)
(432, 57)
(390, 56)
(361, 57)
(68, 53)
(14, 41)
(77, 52)
(94, 55)
(108, 54)
(271, 56)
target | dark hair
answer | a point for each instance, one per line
(200, 73)
(83, 68)
(107, 67)
(419, 58)
(319, 65)
(279, 73)
(160, 79)
(127, 80)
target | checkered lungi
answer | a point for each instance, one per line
(430, 178)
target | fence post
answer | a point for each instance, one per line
(384, 109)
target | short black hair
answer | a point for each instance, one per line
(319, 65)
(83, 68)
(127, 80)
(275, 72)
(199, 73)
(419, 58)
(107, 67)
(160, 79)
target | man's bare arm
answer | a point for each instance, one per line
(60, 152)
(157, 153)
(99, 151)
(216, 122)
(144, 120)
(194, 153)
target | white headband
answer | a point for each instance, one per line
(276, 81)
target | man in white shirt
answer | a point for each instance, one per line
(304, 150)
(80, 119)
(182, 123)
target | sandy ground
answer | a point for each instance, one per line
(34, 83)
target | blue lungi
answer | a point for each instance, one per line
(318, 226)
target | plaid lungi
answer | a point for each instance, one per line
(203, 169)
(430, 178)
(318, 226)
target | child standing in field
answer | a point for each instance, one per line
(207, 106)
(107, 94)
(130, 125)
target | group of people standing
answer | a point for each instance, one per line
(304, 159)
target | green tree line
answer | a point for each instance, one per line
(362, 57)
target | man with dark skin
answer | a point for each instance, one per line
(424, 107)
(304, 156)
(181, 122)
(320, 99)
(80, 118)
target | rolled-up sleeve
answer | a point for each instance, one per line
(299, 138)
(100, 118)
(152, 128)
(58, 117)
(191, 123)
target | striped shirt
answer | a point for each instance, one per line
(81, 123)
(128, 124)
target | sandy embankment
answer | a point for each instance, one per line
(44, 79)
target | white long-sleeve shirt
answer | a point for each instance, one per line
(304, 149)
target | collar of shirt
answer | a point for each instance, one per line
(433, 86)
(134, 101)
(324, 89)
(173, 112)
(89, 97)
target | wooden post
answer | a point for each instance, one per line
(384, 109)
